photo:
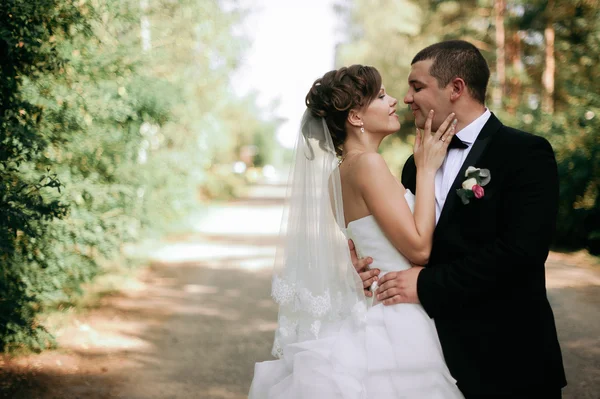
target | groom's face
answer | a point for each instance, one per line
(424, 94)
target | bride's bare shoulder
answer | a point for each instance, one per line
(369, 166)
(373, 159)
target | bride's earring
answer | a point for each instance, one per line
(362, 129)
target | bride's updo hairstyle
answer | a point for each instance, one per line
(339, 91)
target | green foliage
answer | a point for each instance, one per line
(103, 143)
(27, 206)
(574, 126)
(387, 34)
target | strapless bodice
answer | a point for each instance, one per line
(371, 241)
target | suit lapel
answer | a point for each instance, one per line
(483, 139)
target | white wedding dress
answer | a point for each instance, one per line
(395, 354)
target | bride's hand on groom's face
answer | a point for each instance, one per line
(368, 276)
(430, 148)
(399, 287)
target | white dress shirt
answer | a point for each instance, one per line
(446, 174)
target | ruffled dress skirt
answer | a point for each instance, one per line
(396, 354)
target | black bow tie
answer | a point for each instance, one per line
(457, 143)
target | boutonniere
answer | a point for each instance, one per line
(472, 187)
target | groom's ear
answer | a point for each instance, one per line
(354, 118)
(459, 88)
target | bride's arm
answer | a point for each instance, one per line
(412, 235)
(384, 196)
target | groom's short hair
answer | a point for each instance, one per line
(457, 59)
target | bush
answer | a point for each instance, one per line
(100, 143)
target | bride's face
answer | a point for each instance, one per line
(380, 115)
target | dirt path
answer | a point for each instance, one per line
(200, 316)
(573, 283)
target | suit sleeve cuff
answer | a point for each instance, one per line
(426, 291)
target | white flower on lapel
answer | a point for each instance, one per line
(469, 183)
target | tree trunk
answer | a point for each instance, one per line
(499, 88)
(145, 27)
(549, 65)
(517, 66)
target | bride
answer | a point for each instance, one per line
(332, 341)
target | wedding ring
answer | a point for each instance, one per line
(443, 139)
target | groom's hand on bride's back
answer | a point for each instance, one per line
(399, 287)
(368, 276)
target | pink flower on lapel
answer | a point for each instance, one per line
(478, 191)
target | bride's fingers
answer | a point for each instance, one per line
(449, 133)
(428, 123)
(418, 139)
(444, 126)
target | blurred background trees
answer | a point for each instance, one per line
(544, 79)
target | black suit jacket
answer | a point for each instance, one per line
(485, 283)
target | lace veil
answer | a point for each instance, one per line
(314, 282)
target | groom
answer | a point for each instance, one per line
(484, 284)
